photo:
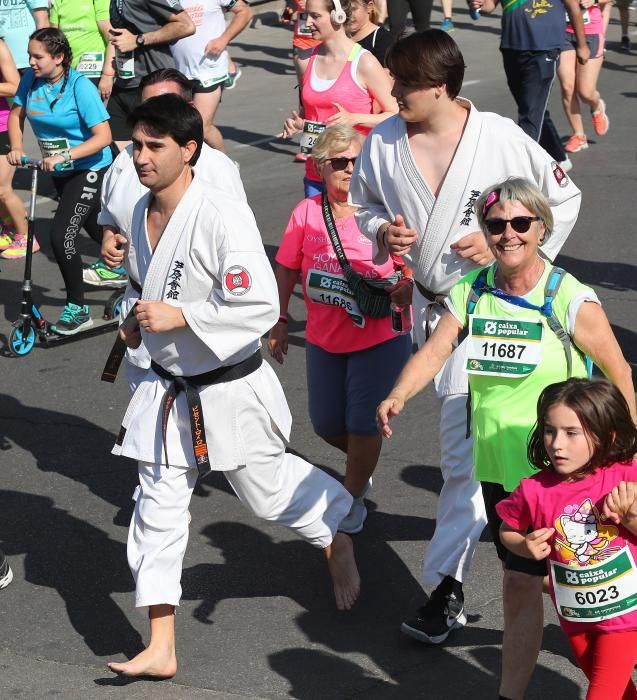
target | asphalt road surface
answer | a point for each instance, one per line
(258, 618)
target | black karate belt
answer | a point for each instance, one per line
(429, 296)
(116, 355)
(190, 385)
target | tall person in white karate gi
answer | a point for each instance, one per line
(209, 294)
(416, 181)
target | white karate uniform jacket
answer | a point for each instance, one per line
(386, 182)
(121, 190)
(211, 263)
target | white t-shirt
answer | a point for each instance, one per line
(189, 53)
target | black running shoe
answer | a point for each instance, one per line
(443, 613)
(6, 575)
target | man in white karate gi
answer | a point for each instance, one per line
(208, 402)
(121, 190)
(416, 181)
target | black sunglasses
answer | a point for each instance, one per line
(521, 224)
(341, 163)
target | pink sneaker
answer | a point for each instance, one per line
(576, 143)
(18, 248)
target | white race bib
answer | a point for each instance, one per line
(52, 147)
(91, 64)
(125, 62)
(333, 290)
(311, 131)
(596, 593)
(503, 348)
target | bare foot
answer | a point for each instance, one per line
(343, 570)
(156, 662)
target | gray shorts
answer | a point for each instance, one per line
(595, 43)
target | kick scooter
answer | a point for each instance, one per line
(31, 324)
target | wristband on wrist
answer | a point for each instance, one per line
(283, 318)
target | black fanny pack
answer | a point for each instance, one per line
(371, 295)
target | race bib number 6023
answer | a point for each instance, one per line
(596, 593)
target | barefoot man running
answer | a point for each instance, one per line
(208, 402)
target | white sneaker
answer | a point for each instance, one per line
(6, 575)
(566, 165)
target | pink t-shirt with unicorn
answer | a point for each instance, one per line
(583, 539)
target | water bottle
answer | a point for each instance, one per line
(401, 318)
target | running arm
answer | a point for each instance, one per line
(241, 16)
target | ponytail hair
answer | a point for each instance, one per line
(55, 43)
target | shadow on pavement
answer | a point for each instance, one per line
(73, 447)
(76, 559)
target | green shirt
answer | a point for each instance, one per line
(504, 408)
(78, 20)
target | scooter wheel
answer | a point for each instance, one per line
(19, 344)
(113, 306)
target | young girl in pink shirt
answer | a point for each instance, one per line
(580, 514)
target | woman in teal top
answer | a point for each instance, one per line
(86, 25)
(70, 123)
(513, 351)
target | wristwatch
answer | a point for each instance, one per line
(140, 40)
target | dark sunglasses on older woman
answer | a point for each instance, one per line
(521, 224)
(341, 163)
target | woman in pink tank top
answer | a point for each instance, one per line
(341, 83)
(13, 218)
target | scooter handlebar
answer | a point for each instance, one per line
(34, 163)
(26, 162)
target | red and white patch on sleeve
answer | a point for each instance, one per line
(237, 280)
(559, 174)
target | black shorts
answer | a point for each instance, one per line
(493, 494)
(120, 105)
(198, 88)
(5, 145)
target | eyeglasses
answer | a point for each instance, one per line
(341, 163)
(521, 224)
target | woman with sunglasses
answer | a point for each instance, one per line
(341, 83)
(70, 122)
(352, 360)
(514, 346)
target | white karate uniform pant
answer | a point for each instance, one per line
(283, 488)
(460, 515)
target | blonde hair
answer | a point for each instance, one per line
(333, 140)
(520, 190)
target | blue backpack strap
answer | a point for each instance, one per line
(551, 289)
(477, 289)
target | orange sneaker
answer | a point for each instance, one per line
(300, 157)
(600, 121)
(576, 143)
(18, 248)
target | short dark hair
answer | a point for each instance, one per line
(170, 115)
(169, 75)
(427, 59)
(605, 418)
